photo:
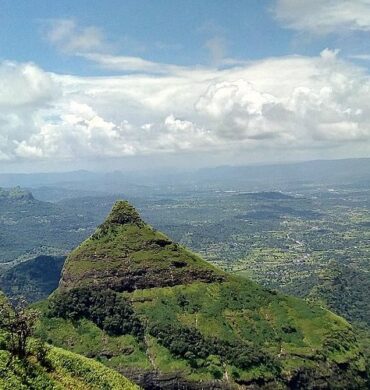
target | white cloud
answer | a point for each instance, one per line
(239, 109)
(24, 84)
(279, 104)
(362, 57)
(75, 131)
(130, 64)
(71, 38)
(322, 17)
(24, 88)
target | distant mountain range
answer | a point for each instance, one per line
(57, 186)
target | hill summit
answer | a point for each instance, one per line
(125, 254)
(15, 193)
(154, 311)
(123, 213)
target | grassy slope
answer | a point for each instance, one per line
(296, 333)
(65, 371)
(239, 310)
(131, 255)
(299, 335)
(136, 244)
(69, 371)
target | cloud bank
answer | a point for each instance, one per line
(279, 105)
(322, 17)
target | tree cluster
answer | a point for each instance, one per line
(188, 343)
(109, 311)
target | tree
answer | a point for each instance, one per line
(18, 322)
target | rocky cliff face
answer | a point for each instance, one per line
(125, 254)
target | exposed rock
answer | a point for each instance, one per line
(153, 380)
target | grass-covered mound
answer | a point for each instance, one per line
(171, 326)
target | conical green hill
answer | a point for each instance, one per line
(125, 254)
(166, 319)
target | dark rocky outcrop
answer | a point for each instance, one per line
(154, 380)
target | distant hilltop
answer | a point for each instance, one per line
(15, 193)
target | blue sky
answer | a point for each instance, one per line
(171, 31)
(164, 31)
(246, 81)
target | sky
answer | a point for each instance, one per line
(134, 84)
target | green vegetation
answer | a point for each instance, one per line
(306, 243)
(346, 290)
(30, 228)
(312, 243)
(289, 242)
(112, 313)
(188, 343)
(29, 364)
(67, 371)
(173, 320)
(125, 254)
(34, 279)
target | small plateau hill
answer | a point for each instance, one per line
(30, 227)
(15, 193)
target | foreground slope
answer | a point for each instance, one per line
(68, 371)
(57, 370)
(152, 310)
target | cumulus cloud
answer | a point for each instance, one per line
(280, 104)
(239, 109)
(74, 130)
(80, 132)
(322, 17)
(35, 85)
(24, 88)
